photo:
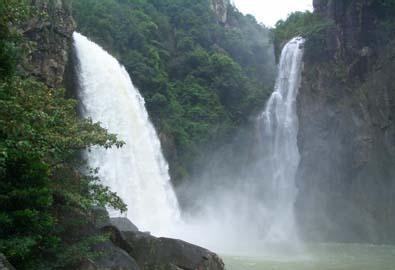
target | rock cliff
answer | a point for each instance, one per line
(220, 7)
(49, 33)
(346, 107)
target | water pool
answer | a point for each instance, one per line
(320, 257)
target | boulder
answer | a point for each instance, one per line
(151, 252)
(111, 258)
(123, 224)
(132, 249)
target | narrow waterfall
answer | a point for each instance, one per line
(278, 129)
(137, 172)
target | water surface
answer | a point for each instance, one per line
(321, 257)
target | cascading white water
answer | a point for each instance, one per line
(137, 172)
(278, 133)
(254, 215)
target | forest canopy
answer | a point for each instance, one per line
(201, 78)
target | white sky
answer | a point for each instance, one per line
(269, 12)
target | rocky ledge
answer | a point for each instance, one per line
(131, 249)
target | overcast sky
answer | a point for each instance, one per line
(269, 12)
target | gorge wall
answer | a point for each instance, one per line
(346, 107)
(49, 34)
(220, 7)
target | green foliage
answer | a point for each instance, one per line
(44, 199)
(41, 136)
(200, 79)
(305, 24)
(12, 12)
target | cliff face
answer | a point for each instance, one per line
(220, 7)
(346, 107)
(49, 33)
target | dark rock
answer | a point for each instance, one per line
(100, 217)
(111, 258)
(148, 251)
(50, 37)
(4, 264)
(355, 26)
(164, 253)
(346, 108)
(123, 225)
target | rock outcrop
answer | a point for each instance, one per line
(165, 253)
(135, 250)
(4, 264)
(49, 33)
(220, 7)
(346, 107)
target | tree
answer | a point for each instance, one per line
(45, 199)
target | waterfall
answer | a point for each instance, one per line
(137, 172)
(278, 129)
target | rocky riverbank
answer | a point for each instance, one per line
(130, 249)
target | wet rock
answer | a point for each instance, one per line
(124, 225)
(346, 108)
(164, 253)
(4, 264)
(111, 258)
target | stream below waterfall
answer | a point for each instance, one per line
(320, 257)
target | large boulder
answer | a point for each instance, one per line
(132, 249)
(111, 258)
(123, 224)
(164, 253)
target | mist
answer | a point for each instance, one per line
(242, 196)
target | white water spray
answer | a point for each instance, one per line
(278, 133)
(249, 215)
(254, 213)
(137, 172)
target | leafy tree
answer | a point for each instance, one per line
(45, 200)
(305, 24)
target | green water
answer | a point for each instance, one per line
(320, 257)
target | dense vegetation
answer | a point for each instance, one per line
(305, 24)
(44, 200)
(315, 29)
(201, 79)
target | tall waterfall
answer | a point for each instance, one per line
(137, 172)
(278, 131)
